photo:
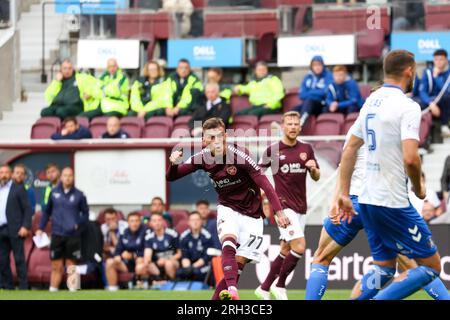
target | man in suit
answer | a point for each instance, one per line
(15, 225)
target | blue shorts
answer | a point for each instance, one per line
(345, 232)
(396, 230)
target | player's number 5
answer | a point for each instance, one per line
(371, 137)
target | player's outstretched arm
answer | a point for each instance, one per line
(177, 171)
(412, 163)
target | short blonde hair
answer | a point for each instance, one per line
(290, 114)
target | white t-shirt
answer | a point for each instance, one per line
(358, 172)
(387, 117)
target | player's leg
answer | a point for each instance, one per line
(435, 289)
(113, 267)
(56, 274)
(231, 293)
(170, 268)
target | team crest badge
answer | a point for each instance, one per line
(232, 170)
(303, 156)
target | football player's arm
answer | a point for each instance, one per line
(119, 249)
(333, 213)
(177, 171)
(148, 253)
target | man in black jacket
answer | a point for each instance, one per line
(15, 225)
(214, 106)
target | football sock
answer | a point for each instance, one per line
(317, 282)
(229, 264)
(222, 285)
(437, 290)
(415, 279)
(288, 265)
(374, 280)
(275, 268)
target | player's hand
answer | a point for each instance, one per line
(346, 210)
(59, 76)
(422, 193)
(175, 156)
(39, 233)
(435, 111)
(23, 232)
(311, 164)
(333, 106)
(333, 214)
(281, 219)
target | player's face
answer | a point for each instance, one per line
(67, 177)
(18, 175)
(316, 67)
(261, 71)
(291, 127)
(156, 206)
(113, 126)
(213, 76)
(134, 222)
(112, 66)
(195, 222)
(52, 174)
(5, 174)
(156, 222)
(215, 140)
(339, 77)
(440, 62)
(203, 210)
(411, 74)
(183, 69)
(67, 70)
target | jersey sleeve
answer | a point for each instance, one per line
(410, 123)
(177, 171)
(266, 158)
(312, 156)
(356, 129)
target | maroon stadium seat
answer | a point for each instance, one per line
(348, 122)
(124, 277)
(264, 126)
(437, 16)
(178, 215)
(330, 150)
(329, 124)
(158, 127)
(182, 226)
(180, 131)
(309, 126)
(239, 103)
(364, 89)
(370, 44)
(425, 124)
(144, 25)
(83, 121)
(244, 125)
(264, 48)
(98, 126)
(39, 266)
(132, 125)
(198, 3)
(212, 214)
(45, 127)
(290, 101)
(181, 120)
(36, 220)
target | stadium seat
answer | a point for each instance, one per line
(181, 120)
(348, 122)
(437, 16)
(144, 25)
(158, 127)
(309, 126)
(198, 3)
(132, 125)
(39, 266)
(124, 277)
(265, 123)
(239, 103)
(291, 100)
(83, 121)
(330, 150)
(370, 44)
(180, 127)
(364, 89)
(181, 226)
(98, 126)
(264, 48)
(178, 215)
(329, 124)
(244, 125)
(212, 214)
(43, 128)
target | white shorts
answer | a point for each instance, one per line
(247, 230)
(297, 227)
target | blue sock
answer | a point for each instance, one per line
(317, 282)
(437, 290)
(415, 279)
(374, 280)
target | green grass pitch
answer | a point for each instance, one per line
(162, 295)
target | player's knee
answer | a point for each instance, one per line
(299, 248)
(322, 259)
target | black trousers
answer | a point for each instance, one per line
(15, 244)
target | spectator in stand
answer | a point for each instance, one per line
(113, 130)
(433, 81)
(129, 251)
(186, 90)
(194, 243)
(112, 228)
(431, 201)
(67, 207)
(52, 174)
(214, 106)
(215, 75)
(343, 94)
(71, 93)
(115, 87)
(157, 207)
(183, 10)
(445, 181)
(415, 93)
(72, 130)
(265, 92)
(15, 225)
(162, 253)
(313, 89)
(151, 94)
(19, 175)
(210, 224)
(4, 14)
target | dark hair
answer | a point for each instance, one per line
(70, 119)
(213, 123)
(440, 52)
(202, 201)
(183, 60)
(396, 62)
(110, 210)
(134, 213)
(158, 198)
(51, 165)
